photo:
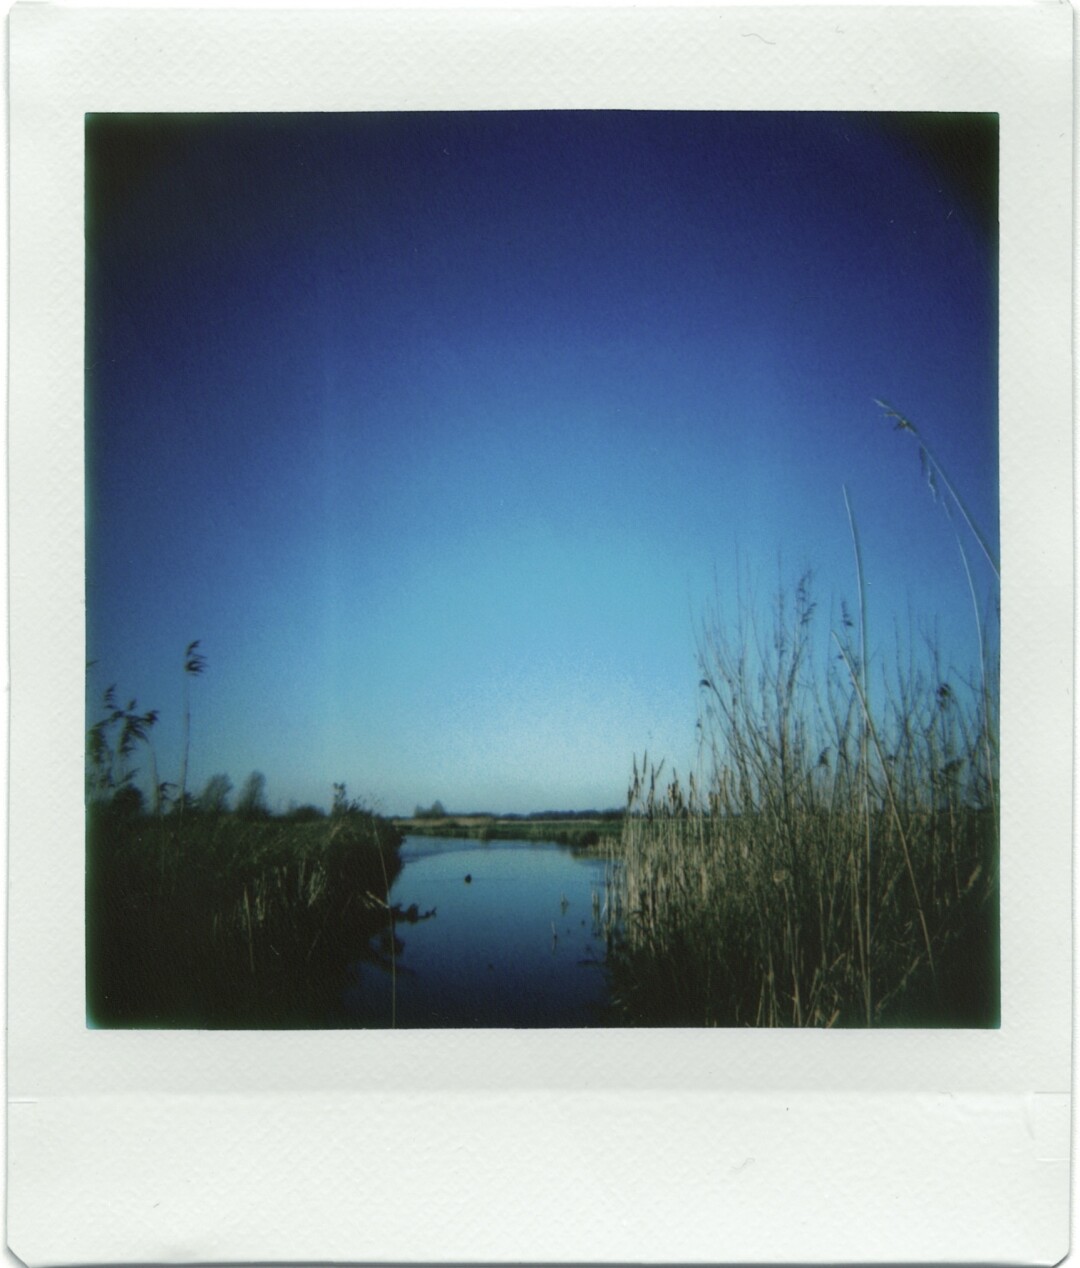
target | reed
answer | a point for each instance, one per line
(834, 859)
(222, 921)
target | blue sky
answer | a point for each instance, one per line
(442, 431)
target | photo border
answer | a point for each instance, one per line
(486, 1146)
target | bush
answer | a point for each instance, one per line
(304, 814)
(214, 798)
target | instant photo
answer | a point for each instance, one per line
(543, 569)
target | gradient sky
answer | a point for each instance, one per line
(442, 431)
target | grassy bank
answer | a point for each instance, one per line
(211, 920)
(582, 834)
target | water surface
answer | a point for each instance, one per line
(515, 945)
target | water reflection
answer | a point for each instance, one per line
(514, 940)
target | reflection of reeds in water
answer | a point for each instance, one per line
(837, 863)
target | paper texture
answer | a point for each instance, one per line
(653, 1146)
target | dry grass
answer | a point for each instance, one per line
(830, 869)
(834, 861)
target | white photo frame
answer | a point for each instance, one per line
(606, 1146)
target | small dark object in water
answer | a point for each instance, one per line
(412, 914)
(468, 878)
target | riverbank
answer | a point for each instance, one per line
(581, 834)
(208, 921)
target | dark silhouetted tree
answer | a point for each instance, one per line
(251, 801)
(214, 798)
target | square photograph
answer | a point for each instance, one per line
(542, 570)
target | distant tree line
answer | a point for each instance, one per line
(438, 811)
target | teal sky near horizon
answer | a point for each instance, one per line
(441, 432)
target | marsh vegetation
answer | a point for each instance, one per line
(199, 915)
(834, 867)
(834, 861)
(231, 923)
